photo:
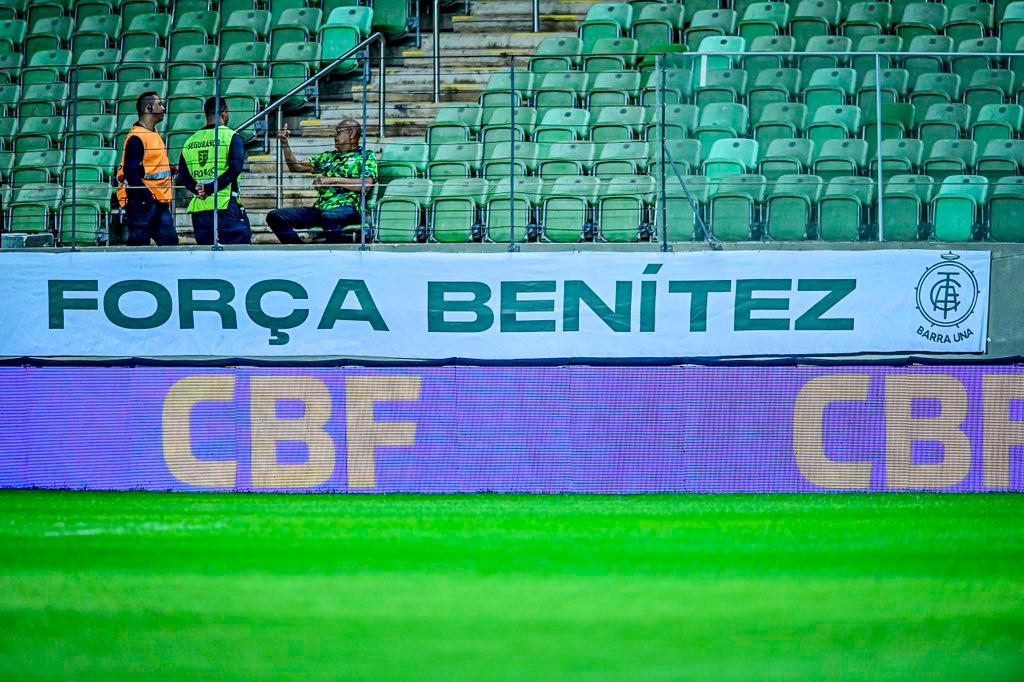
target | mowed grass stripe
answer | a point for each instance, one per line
(115, 586)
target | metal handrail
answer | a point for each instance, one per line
(279, 102)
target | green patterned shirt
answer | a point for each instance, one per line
(341, 165)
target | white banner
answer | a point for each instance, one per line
(352, 304)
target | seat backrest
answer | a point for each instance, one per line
(739, 150)
(955, 113)
(964, 186)
(784, 112)
(946, 83)
(785, 79)
(853, 150)
(753, 187)
(918, 186)
(791, 184)
(618, 13)
(994, 79)
(964, 150)
(1010, 114)
(629, 186)
(846, 114)
(860, 188)
(1012, 186)
(725, 115)
(911, 150)
(800, 149)
(829, 10)
(840, 78)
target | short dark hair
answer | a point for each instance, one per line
(144, 100)
(214, 104)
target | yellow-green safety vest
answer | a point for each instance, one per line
(207, 160)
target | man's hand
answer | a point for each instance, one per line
(326, 182)
(283, 134)
(200, 191)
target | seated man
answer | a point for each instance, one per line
(341, 177)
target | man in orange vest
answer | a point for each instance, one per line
(144, 178)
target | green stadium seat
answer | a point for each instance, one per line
(734, 206)
(296, 25)
(780, 121)
(229, 7)
(47, 67)
(931, 89)
(96, 33)
(874, 44)
(897, 122)
(969, 21)
(867, 19)
(678, 87)
(823, 44)
(42, 99)
(294, 64)
(921, 19)
(944, 122)
(830, 88)
(147, 30)
(997, 122)
(722, 85)
(556, 89)
(142, 63)
(627, 158)
(950, 157)
(1005, 207)
(763, 19)
(90, 130)
(719, 121)
(344, 28)
(53, 33)
(844, 213)
(133, 9)
(8, 129)
(612, 89)
(403, 160)
(244, 60)
(6, 169)
(990, 86)
(686, 155)
(33, 207)
(730, 156)
(893, 83)
(838, 158)
(129, 92)
(728, 48)
(834, 123)
(505, 159)
(391, 17)
(611, 54)
(684, 200)
(245, 98)
(557, 53)
(1001, 158)
(279, 7)
(90, 165)
(37, 166)
(457, 159)
(82, 220)
(792, 205)
(562, 125)
(97, 97)
(619, 124)
(182, 127)
(37, 11)
(12, 9)
(563, 159)
(97, 65)
(193, 28)
(898, 157)
(193, 61)
(779, 86)
(814, 19)
(455, 123)
(622, 207)
(245, 26)
(399, 210)
(657, 24)
(758, 63)
(496, 124)
(1011, 26)
(520, 197)
(792, 156)
(567, 208)
(904, 207)
(709, 22)
(124, 124)
(10, 95)
(971, 58)
(605, 20)
(958, 206)
(500, 90)
(920, 62)
(11, 64)
(455, 210)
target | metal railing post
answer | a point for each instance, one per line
(216, 161)
(382, 90)
(362, 148)
(536, 16)
(663, 213)
(73, 90)
(512, 156)
(279, 162)
(878, 141)
(437, 51)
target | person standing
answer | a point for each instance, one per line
(343, 176)
(215, 156)
(144, 184)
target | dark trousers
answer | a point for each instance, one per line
(285, 221)
(232, 225)
(150, 220)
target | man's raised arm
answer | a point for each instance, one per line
(294, 165)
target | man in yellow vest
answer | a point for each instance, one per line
(144, 178)
(213, 158)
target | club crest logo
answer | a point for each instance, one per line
(947, 292)
(204, 156)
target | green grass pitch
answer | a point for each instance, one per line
(248, 587)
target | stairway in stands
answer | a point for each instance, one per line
(473, 47)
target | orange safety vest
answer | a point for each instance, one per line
(155, 164)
